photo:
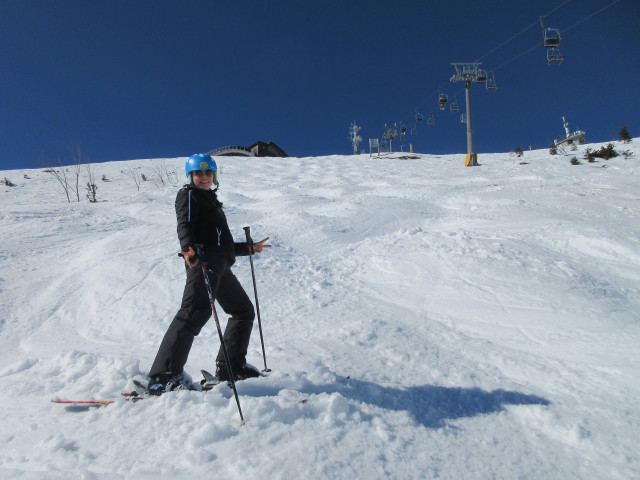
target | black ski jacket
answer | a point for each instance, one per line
(203, 226)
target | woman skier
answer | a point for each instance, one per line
(205, 237)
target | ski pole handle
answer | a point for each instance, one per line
(247, 232)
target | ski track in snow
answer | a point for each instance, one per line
(423, 320)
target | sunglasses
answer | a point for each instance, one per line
(200, 173)
(208, 173)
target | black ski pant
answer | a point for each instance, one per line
(195, 311)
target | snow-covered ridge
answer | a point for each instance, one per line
(423, 320)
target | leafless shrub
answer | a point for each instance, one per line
(61, 176)
(91, 185)
(134, 175)
(163, 175)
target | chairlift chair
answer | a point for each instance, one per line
(554, 56)
(481, 76)
(491, 83)
(442, 100)
(551, 37)
(431, 121)
(454, 106)
(414, 130)
(418, 117)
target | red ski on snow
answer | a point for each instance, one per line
(95, 403)
(84, 403)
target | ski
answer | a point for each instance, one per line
(209, 380)
(141, 391)
(83, 403)
(77, 404)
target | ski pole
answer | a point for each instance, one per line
(255, 292)
(224, 347)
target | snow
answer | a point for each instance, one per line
(422, 320)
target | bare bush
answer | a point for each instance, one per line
(134, 175)
(62, 178)
(91, 185)
(163, 175)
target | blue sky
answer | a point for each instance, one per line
(160, 78)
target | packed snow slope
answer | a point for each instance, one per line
(423, 320)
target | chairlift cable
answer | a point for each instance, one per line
(564, 30)
(537, 45)
(523, 30)
(424, 102)
(592, 15)
(508, 40)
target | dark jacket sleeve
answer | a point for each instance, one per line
(241, 249)
(187, 216)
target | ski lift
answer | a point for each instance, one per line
(418, 116)
(554, 56)
(403, 129)
(414, 130)
(550, 36)
(390, 131)
(431, 121)
(442, 100)
(453, 106)
(551, 40)
(491, 83)
(481, 76)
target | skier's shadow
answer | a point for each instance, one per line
(433, 406)
(430, 405)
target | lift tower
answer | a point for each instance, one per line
(467, 73)
(355, 138)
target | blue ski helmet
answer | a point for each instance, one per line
(201, 161)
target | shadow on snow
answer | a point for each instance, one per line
(431, 406)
